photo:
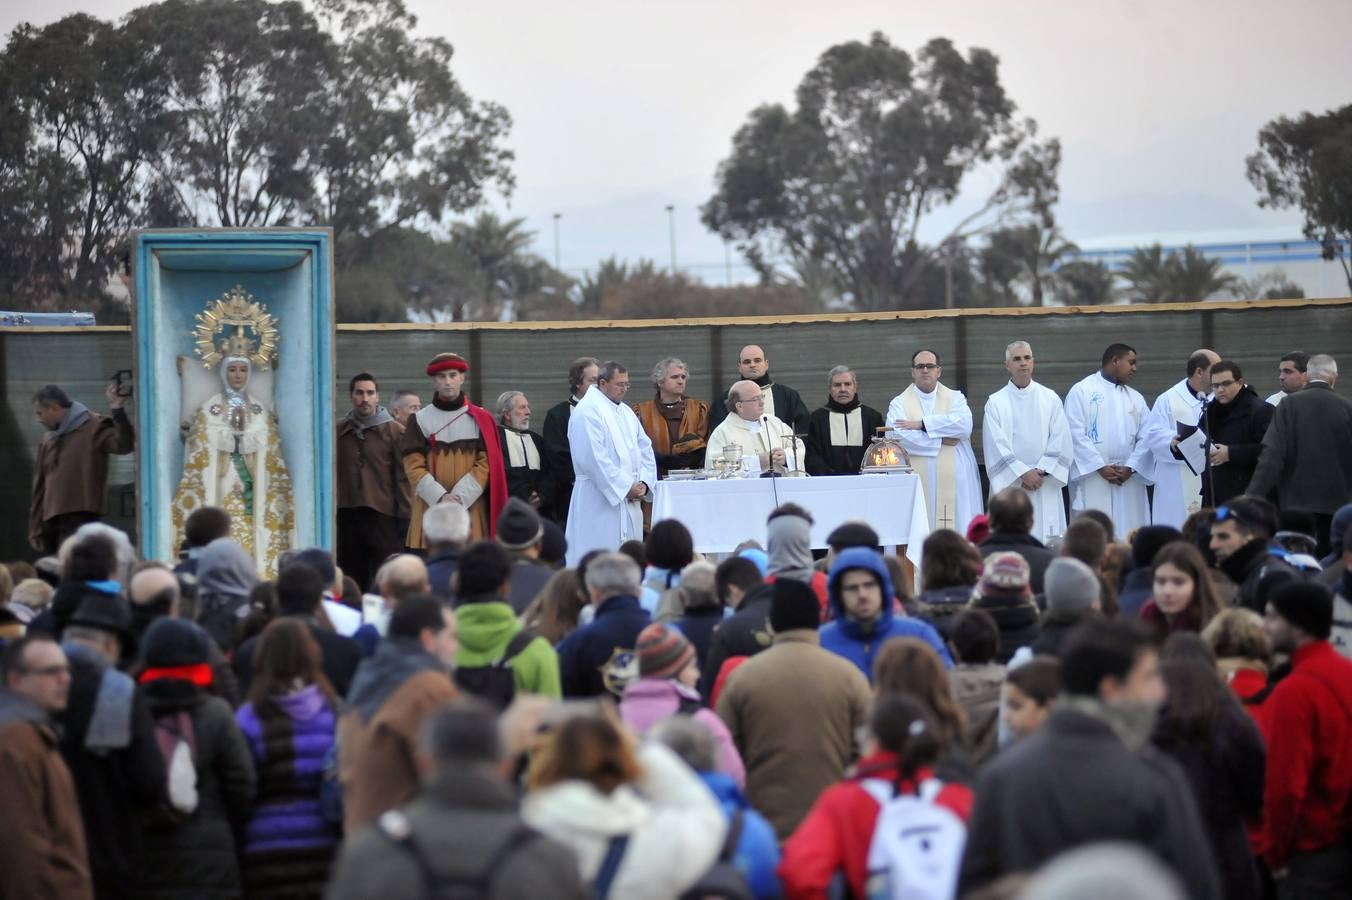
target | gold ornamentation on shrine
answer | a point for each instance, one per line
(235, 324)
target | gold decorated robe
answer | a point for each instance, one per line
(261, 518)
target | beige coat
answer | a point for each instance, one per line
(794, 711)
(42, 843)
(377, 761)
(71, 472)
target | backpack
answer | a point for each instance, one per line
(495, 682)
(438, 886)
(917, 845)
(723, 880)
(178, 745)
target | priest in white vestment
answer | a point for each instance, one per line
(1178, 490)
(1026, 442)
(1111, 467)
(765, 440)
(614, 467)
(934, 424)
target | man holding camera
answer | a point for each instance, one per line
(70, 476)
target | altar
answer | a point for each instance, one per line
(721, 513)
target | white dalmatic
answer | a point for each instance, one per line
(1105, 420)
(948, 474)
(610, 452)
(1178, 492)
(1024, 429)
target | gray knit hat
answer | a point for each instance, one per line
(1070, 584)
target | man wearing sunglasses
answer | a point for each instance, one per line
(1239, 418)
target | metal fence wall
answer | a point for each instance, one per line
(534, 358)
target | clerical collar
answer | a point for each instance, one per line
(1017, 388)
(764, 381)
(832, 405)
(516, 430)
(448, 405)
(752, 425)
(573, 400)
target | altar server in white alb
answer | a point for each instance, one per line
(1111, 467)
(934, 424)
(1178, 491)
(1026, 442)
(614, 464)
(766, 441)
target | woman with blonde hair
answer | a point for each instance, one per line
(553, 614)
(640, 823)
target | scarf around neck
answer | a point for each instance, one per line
(76, 416)
(363, 424)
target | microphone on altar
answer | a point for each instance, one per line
(776, 470)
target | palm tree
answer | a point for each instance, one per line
(610, 273)
(1144, 273)
(1192, 275)
(1027, 255)
(1083, 282)
(497, 248)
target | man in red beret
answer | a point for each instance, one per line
(452, 455)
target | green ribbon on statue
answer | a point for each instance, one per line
(245, 479)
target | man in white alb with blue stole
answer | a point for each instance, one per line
(614, 464)
(1178, 490)
(1111, 467)
(934, 423)
(1026, 442)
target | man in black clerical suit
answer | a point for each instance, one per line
(558, 456)
(781, 402)
(523, 454)
(839, 432)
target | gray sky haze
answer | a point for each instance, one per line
(623, 108)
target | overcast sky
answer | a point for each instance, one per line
(621, 108)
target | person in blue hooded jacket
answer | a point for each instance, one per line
(861, 602)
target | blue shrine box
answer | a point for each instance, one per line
(178, 274)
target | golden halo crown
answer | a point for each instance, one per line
(235, 324)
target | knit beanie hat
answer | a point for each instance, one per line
(793, 605)
(1308, 605)
(663, 652)
(518, 525)
(1070, 584)
(170, 643)
(1148, 541)
(1005, 577)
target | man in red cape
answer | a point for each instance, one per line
(452, 455)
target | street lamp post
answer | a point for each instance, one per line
(671, 224)
(557, 216)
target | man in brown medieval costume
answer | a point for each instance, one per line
(452, 455)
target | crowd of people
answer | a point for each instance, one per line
(511, 682)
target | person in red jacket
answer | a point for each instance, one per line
(1308, 718)
(834, 839)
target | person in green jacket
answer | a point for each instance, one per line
(488, 624)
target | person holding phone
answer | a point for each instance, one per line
(70, 476)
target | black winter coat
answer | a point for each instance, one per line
(744, 633)
(1055, 625)
(1305, 452)
(1239, 426)
(196, 859)
(1017, 620)
(1033, 551)
(1074, 783)
(339, 658)
(113, 785)
(698, 626)
(1226, 775)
